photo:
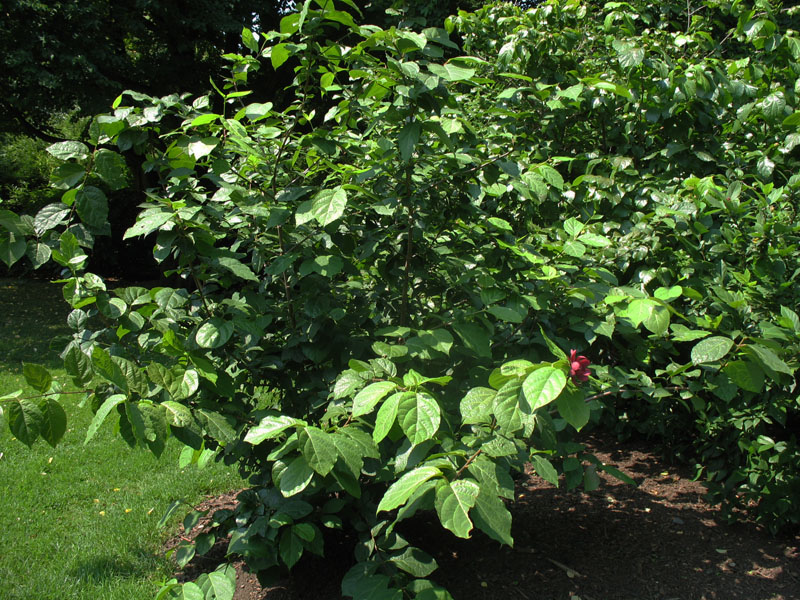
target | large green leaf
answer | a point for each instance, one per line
(572, 407)
(217, 425)
(12, 247)
(37, 377)
(407, 139)
(543, 386)
(214, 333)
(400, 491)
(769, 359)
(506, 407)
(69, 150)
(711, 349)
(222, 585)
(475, 338)
(453, 502)
(92, 206)
(476, 406)
(746, 374)
(290, 547)
(296, 477)
(270, 427)
(319, 450)
(106, 407)
(419, 416)
(54, 421)
(491, 516)
(451, 72)
(25, 420)
(329, 205)
(362, 583)
(111, 168)
(387, 414)
(415, 562)
(366, 399)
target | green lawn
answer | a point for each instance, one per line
(80, 521)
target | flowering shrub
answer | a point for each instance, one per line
(379, 275)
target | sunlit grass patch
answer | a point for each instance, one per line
(80, 521)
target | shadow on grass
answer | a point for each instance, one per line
(33, 324)
(139, 564)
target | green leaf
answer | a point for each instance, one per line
(451, 72)
(37, 377)
(236, 267)
(400, 491)
(148, 222)
(573, 408)
(112, 169)
(271, 427)
(184, 383)
(12, 248)
(475, 338)
(630, 56)
(218, 426)
(296, 477)
(551, 176)
(476, 406)
(107, 368)
(155, 426)
(415, 561)
(319, 451)
(214, 333)
(25, 420)
(54, 421)
(222, 585)
(545, 469)
(746, 374)
(543, 386)
(491, 516)
(290, 547)
(50, 217)
(279, 54)
(650, 313)
(419, 416)
(329, 205)
(387, 414)
(594, 240)
(506, 407)
(769, 359)
(506, 314)
(711, 349)
(407, 139)
(249, 39)
(189, 590)
(177, 414)
(361, 583)
(92, 206)
(454, 500)
(68, 150)
(366, 399)
(106, 407)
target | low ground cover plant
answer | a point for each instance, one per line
(444, 252)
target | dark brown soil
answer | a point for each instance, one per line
(657, 541)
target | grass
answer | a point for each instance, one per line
(79, 522)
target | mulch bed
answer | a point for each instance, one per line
(657, 541)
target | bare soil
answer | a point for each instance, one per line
(657, 541)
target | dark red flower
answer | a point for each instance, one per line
(578, 367)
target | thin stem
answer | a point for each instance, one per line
(469, 462)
